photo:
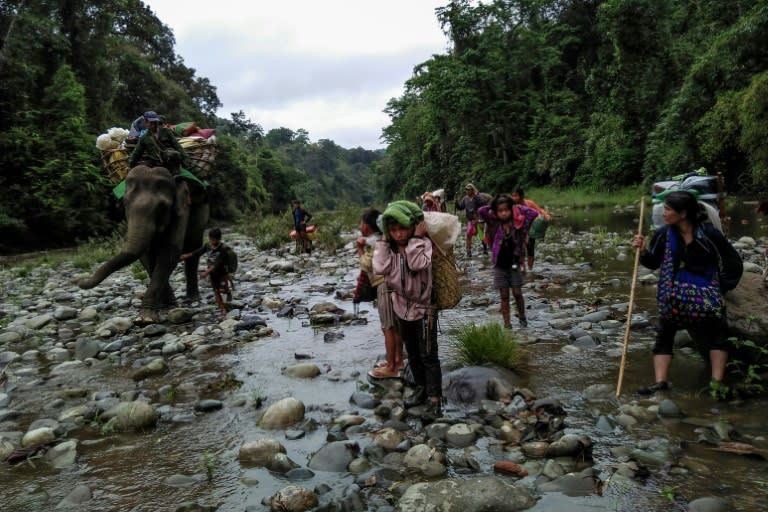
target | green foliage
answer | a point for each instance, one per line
(473, 344)
(750, 364)
(268, 231)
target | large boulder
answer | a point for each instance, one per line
(745, 305)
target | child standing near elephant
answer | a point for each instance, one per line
(217, 268)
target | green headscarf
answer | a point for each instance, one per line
(404, 213)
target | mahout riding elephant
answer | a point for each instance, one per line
(166, 216)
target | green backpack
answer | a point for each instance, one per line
(230, 259)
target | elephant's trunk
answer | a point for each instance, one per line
(138, 239)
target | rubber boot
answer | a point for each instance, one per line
(505, 314)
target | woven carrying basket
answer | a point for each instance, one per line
(201, 155)
(445, 278)
(115, 162)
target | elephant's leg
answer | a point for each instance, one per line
(159, 293)
(199, 214)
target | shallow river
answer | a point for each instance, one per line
(127, 471)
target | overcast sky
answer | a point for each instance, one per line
(328, 66)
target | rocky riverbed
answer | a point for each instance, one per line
(270, 409)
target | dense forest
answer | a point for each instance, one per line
(71, 69)
(596, 93)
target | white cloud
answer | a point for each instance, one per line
(326, 66)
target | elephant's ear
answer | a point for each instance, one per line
(183, 199)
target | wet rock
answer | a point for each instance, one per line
(348, 420)
(455, 495)
(36, 436)
(302, 371)
(599, 392)
(669, 409)
(333, 337)
(282, 413)
(136, 415)
(293, 499)
(535, 449)
(570, 445)
(154, 368)
(259, 452)
(364, 400)
(298, 474)
(585, 342)
(250, 322)
(195, 507)
(470, 384)
(334, 456)
(8, 337)
(209, 405)
(571, 484)
(78, 497)
(426, 461)
(281, 464)
(62, 455)
(709, 504)
(388, 438)
(460, 435)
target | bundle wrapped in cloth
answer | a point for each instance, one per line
(114, 155)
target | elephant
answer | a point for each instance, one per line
(166, 216)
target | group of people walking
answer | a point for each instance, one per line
(400, 256)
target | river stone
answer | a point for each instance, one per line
(302, 371)
(572, 484)
(460, 435)
(209, 405)
(9, 337)
(57, 355)
(293, 499)
(388, 438)
(567, 446)
(8, 357)
(364, 400)
(535, 449)
(297, 474)
(454, 495)
(598, 392)
(181, 315)
(63, 313)
(469, 384)
(436, 430)
(68, 367)
(63, 454)
(38, 322)
(118, 324)
(282, 413)
(260, 452)
(136, 415)
(80, 495)
(179, 481)
(334, 456)
(281, 464)
(669, 409)
(426, 461)
(155, 367)
(348, 420)
(709, 504)
(87, 347)
(40, 435)
(585, 342)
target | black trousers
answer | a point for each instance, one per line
(420, 340)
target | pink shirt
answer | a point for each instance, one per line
(408, 276)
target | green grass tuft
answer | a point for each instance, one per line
(475, 345)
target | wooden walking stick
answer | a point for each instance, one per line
(631, 301)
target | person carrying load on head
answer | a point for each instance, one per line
(470, 203)
(538, 228)
(158, 147)
(140, 124)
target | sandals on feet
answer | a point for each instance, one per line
(382, 373)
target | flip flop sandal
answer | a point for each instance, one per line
(381, 364)
(378, 373)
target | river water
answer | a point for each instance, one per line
(127, 471)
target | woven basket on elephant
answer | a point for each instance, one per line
(115, 162)
(201, 153)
